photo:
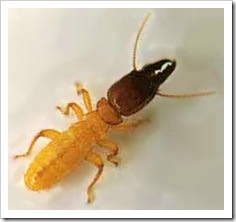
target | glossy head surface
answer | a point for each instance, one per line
(138, 88)
(135, 90)
(161, 69)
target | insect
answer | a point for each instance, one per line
(68, 149)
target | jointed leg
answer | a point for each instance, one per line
(97, 161)
(86, 96)
(75, 107)
(48, 133)
(185, 95)
(112, 147)
(127, 126)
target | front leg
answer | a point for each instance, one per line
(86, 96)
(72, 106)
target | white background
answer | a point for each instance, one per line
(173, 162)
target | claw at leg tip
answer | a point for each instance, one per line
(79, 87)
(90, 200)
(16, 157)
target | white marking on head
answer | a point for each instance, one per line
(116, 104)
(157, 72)
(164, 66)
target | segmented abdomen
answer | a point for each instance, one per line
(65, 152)
(57, 159)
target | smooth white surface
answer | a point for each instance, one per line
(173, 162)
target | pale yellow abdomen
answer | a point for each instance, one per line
(63, 154)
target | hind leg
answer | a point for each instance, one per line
(98, 162)
(48, 133)
(113, 147)
(86, 96)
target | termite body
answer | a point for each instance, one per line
(65, 152)
(68, 149)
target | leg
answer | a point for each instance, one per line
(86, 96)
(48, 133)
(113, 147)
(98, 162)
(75, 107)
(127, 126)
(185, 95)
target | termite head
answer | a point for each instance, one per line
(135, 90)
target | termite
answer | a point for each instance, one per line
(68, 149)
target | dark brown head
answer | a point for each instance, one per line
(135, 90)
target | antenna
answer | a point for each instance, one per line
(185, 95)
(137, 40)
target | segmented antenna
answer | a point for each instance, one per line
(135, 65)
(185, 95)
